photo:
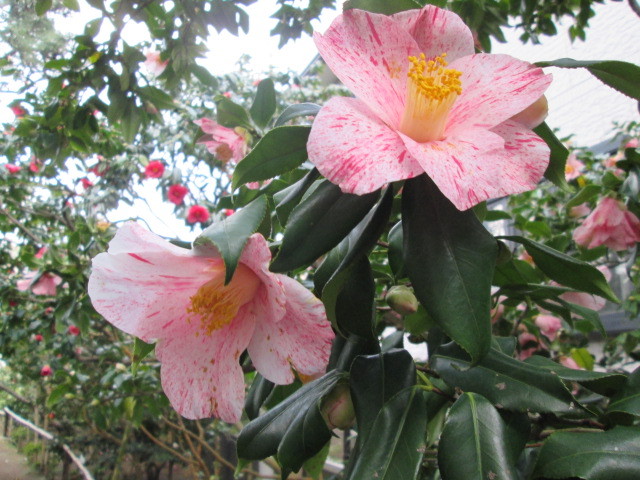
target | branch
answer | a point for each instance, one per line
(15, 394)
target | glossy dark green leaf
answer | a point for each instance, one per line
(352, 311)
(57, 394)
(279, 151)
(258, 393)
(591, 316)
(130, 122)
(230, 114)
(567, 270)
(605, 383)
(159, 98)
(588, 193)
(294, 429)
(628, 400)
(558, 160)
(319, 223)
(204, 76)
(610, 455)
(449, 258)
(396, 250)
(623, 76)
(396, 441)
(43, 6)
(297, 110)
(288, 198)
(382, 6)
(72, 5)
(140, 351)
(475, 432)
(230, 235)
(345, 350)
(264, 103)
(505, 381)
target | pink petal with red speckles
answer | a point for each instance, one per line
(369, 54)
(201, 374)
(356, 150)
(483, 164)
(302, 339)
(437, 31)
(494, 88)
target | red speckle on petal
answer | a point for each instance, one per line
(376, 37)
(138, 257)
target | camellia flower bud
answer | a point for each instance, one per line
(337, 408)
(402, 300)
(46, 371)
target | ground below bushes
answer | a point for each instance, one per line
(14, 466)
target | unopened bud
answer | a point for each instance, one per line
(337, 408)
(402, 300)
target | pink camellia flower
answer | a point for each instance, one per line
(426, 103)
(38, 338)
(176, 193)
(609, 224)
(633, 143)
(154, 63)
(154, 290)
(40, 253)
(225, 143)
(228, 212)
(34, 165)
(86, 183)
(12, 168)
(548, 325)
(531, 342)
(579, 211)
(586, 299)
(45, 371)
(570, 363)
(46, 285)
(573, 168)
(73, 330)
(155, 169)
(18, 111)
(197, 213)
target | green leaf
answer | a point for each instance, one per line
(315, 465)
(57, 394)
(130, 122)
(319, 223)
(353, 309)
(449, 258)
(505, 381)
(140, 351)
(264, 104)
(382, 6)
(231, 234)
(230, 114)
(258, 393)
(297, 110)
(294, 429)
(622, 76)
(397, 439)
(204, 76)
(159, 98)
(43, 6)
(589, 192)
(628, 400)
(396, 251)
(279, 151)
(72, 5)
(567, 270)
(475, 432)
(558, 160)
(288, 198)
(614, 454)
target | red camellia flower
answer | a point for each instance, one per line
(18, 111)
(177, 193)
(228, 212)
(197, 213)
(155, 169)
(86, 183)
(46, 371)
(12, 168)
(37, 337)
(73, 330)
(34, 165)
(41, 252)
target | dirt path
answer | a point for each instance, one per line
(13, 466)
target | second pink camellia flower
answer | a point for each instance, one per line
(609, 224)
(154, 290)
(426, 103)
(225, 143)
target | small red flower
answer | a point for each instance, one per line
(34, 165)
(38, 338)
(177, 193)
(13, 303)
(155, 169)
(229, 211)
(18, 111)
(51, 415)
(46, 371)
(12, 168)
(86, 183)
(197, 213)
(48, 310)
(73, 330)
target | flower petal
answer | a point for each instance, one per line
(437, 31)
(494, 88)
(357, 151)
(302, 338)
(201, 375)
(483, 164)
(369, 54)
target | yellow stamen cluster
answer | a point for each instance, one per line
(431, 91)
(215, 305)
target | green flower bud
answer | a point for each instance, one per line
(402, 300)
(337, 408)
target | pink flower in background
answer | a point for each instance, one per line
(176, 193)
(609, 224)
(531, 342)
(579, 211)
(548, 325)
(154, 290)
(586, 299)
(38, 338)
(225, 143)
(426, 103)
(228, 212)
(633, 143)
(73, 330)
(34, 165)
(45, 371)
(155, 169)
(46, 285)
(86, 183)
(12, 168)
(573, 168)
(570, 363)
(40, 253)
(18, 111)
(154, 63)
(197, 213)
